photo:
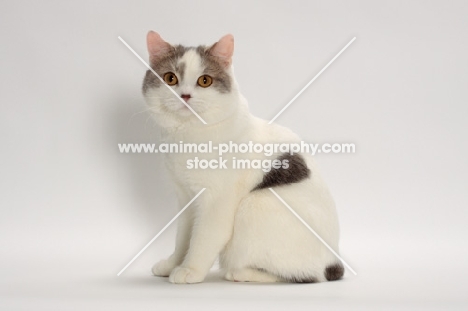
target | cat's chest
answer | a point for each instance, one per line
(198, 167)
(203, 170)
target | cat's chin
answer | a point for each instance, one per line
(179, 119)
(184, 112)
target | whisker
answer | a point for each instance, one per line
(140, 112)
(146, 122)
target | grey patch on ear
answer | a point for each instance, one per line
(165, 63)
(221, 79)
(334, 272)
(296, 172)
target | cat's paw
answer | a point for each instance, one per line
(163, 268)
(230, 276)
(182, 275)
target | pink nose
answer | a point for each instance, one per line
(185, 97)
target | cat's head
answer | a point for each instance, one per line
(202, 76)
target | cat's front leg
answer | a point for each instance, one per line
(210, 234)
(165, 266)
(184, 229)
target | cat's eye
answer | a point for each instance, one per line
(205, 81)
(170, 78)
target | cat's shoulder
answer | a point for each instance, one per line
(273, 132)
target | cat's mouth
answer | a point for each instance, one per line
(175, 106)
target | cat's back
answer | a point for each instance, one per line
(272, 133)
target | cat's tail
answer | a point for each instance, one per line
(332, 272)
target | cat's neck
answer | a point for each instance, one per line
(231, 128)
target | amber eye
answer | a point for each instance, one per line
(170, 78)
(205, 81)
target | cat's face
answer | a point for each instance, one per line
(201, 76)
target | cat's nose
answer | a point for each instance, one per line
(185, 97)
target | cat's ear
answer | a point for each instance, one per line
(156, 46)
(223, 50)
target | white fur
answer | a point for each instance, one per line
(247, 230)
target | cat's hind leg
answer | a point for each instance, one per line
(250, 275)
(270, 238)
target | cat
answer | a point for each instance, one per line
(236, 219)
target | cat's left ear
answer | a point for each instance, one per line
(223, 50)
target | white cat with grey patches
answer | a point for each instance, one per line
(236, 219)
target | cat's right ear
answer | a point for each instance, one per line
(156, 46)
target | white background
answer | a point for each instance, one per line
(74, 211)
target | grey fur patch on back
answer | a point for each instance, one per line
(221, 79)
(334, 272)
(296, 172)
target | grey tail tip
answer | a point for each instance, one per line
(334, 272)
